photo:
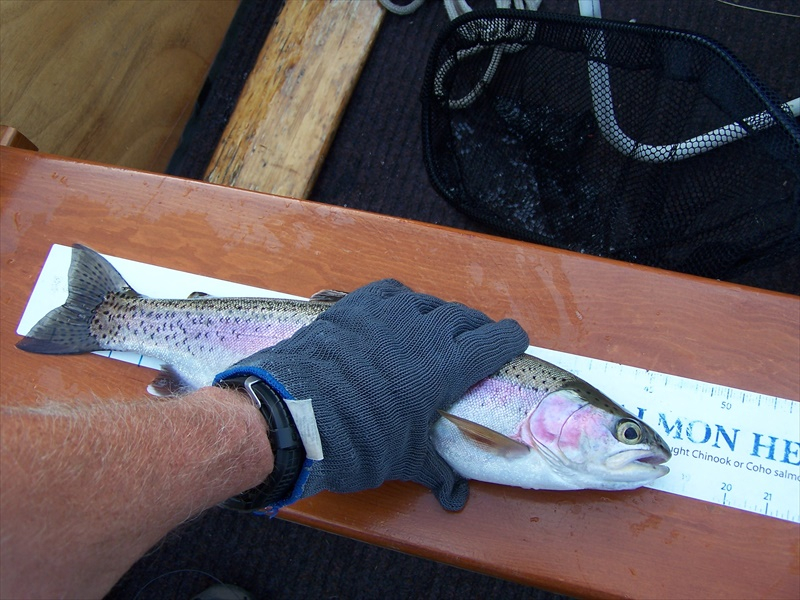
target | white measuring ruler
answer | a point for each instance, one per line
(730, 447)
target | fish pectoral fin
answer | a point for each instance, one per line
(328, 296)
(167, 384)
(488, 439)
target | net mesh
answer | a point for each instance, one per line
(632, 142)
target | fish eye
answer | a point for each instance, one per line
(629, 432)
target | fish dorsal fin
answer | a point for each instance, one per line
(328, 296)
(194, 295)
(486, 438)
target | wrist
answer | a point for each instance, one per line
(284, 440)
(250, 448)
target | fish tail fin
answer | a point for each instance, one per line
(67, 329)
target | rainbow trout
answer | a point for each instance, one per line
(531, 425)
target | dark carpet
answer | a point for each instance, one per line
(376, 164)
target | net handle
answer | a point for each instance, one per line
(603, 105)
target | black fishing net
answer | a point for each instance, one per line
(633, 142)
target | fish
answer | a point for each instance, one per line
(531, 424)
(536, 426)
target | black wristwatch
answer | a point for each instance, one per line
(287, 447)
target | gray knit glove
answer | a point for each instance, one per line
(377, 365)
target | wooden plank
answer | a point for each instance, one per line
(9, 136)
(107, 81)
(643, 543)
(288, 112)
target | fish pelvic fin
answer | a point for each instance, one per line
(168, 384)
(67, 329)
(488, 439)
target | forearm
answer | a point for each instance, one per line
(87, 490)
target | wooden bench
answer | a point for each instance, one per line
(642, 543)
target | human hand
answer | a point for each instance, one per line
(377, 365)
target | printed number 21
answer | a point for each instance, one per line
(767, 496)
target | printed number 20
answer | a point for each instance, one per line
(726, 487)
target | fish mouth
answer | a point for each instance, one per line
(653, 459)
(638, 459)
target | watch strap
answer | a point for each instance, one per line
(287, 447)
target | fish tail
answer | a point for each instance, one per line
(67, 329)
